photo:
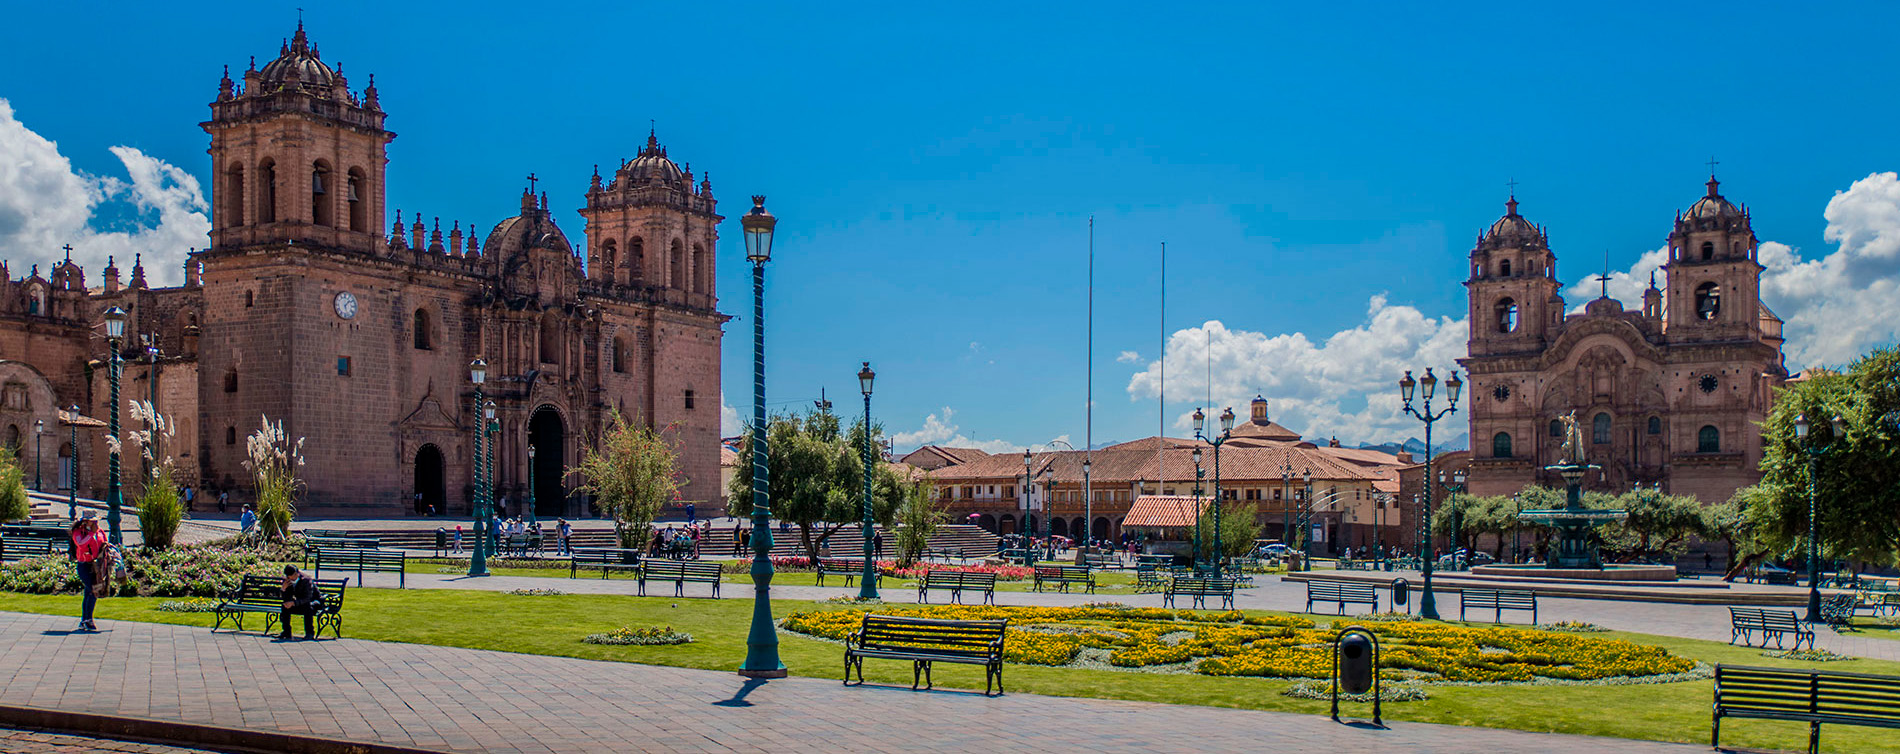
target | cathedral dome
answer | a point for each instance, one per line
(1512, 230)
(298, 65)
(652, 166)
(1713, 206)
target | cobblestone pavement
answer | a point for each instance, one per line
(24, 741)
(472, 700)
(1668, 619)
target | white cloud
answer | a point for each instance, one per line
(1346, 385)
(1837, 305)
(941, 429)
(1625, 285)
(730, 424)
(1129, 357)
(45, 204)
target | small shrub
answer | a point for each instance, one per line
(1807, 655)
(160, 510)
(640, 635)
(188, 606)
(535, 592)
(1572, 627)
(14, 504)
(1388, 692)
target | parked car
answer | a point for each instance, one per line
(1463, 559)
(1272, 550)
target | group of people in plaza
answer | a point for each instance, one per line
(678, 542)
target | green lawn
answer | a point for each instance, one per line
(555, 625)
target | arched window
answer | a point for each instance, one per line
(1708, 440)
(321, 205)
(620, 354)
(423, 334)
(550, 340)
(13, 439)
(359, 209)
(1708, 301)
(230, 380)
(1735, 249)
(267, 191)
(1501, 445)
(230, 435)
(1556, 428)
(609, 261)
(1600, 429)
(1506, 313)
(702, 278)
(1655, 425)
(234, 196)
(676, 265)
(1504, 269)
(250, 298)
(636, 260)
(1708, 251)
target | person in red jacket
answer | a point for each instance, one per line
(89, 545)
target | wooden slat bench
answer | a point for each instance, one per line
(1809, 696)
(846, 567)
(1341, 593)
(1102, 561)
(18, 547)
(1063, 576)
(312, 544)
(364, 561)
(957, 582)
(1498, 600)
(265, 594)
(605, 559)
(1745, 621)
(924, 641)
(1199, 588)
(680, 572)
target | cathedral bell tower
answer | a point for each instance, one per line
(1515, 306)
(296, 156)
(651, 227)
(1714, 288)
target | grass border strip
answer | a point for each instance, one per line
(189, 735)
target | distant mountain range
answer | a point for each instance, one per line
(1416, 446)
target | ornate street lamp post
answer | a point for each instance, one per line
(1427, 604)
(531, 517)
(1454, 485)
(1304, 523)
(761, 658)
(1086, 538)
(72, 465)
(1048, 506)
(1517, 527)
(1029, 557)
(115, 331)
(867, 583)
(39, 433)
(489, 427)
(1286, 502)
(478, 562)
(1226, 430)
(1199, 474)
(1815, 452)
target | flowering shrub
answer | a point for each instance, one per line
(1230, 644)
(196, 605)
(200, 570)
(535, 592)
(1572, 626)
(640, 635)
(1807, 655)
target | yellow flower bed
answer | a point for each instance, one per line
(1228, 643)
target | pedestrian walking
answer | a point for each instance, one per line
(745, 540)
(692, 513)
(224, 499)
(877, 543)
(90, 556)
(566, 530)
(458, 538)
(189, 497)
(247, 520)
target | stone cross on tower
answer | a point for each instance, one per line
(531, 180)
(69, 252)
(1712, 164)
(1604, 279)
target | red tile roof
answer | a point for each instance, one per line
(1156, 511)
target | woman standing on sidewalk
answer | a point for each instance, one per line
(88, 544)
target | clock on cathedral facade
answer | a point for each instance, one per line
(1667, 395)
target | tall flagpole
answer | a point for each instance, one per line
(1088, 427)
(1161, 418)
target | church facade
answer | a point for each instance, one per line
(356, 330)
(1668, 395)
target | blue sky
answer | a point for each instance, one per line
(1318, 171)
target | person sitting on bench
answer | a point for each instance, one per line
(300, 598)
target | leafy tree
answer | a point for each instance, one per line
(1857, 483)
(817, 477)
(632, 474)
(1657, 526)
(14, 504)
(1238, 527)
(1725, 521)
(1539, 498)
(919, 515)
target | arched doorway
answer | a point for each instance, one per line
(1100, 530)
(430, 481)
(1059, 527)
(1006, 525)
(987, 523)
(547, 434)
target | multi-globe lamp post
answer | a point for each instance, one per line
(1199, 474)
(478, 562)
(761, 659)
(1454, 484)
(531, 502)
(115, 333)
(1814, 453)
(1029, 557)
(1226, 430)
(39, 433)
(489, 428)
(72, 465)
(867, 582)
(1427, 604)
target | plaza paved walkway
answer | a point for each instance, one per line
(472, 700)
(1688, 621)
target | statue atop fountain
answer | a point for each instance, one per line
(1575, 524)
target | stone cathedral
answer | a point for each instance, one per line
(1669, 395)
(311, 306)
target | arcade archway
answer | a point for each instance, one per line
(429, 481)
(547, 434)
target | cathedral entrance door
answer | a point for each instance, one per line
(429, 480)
(548, 435)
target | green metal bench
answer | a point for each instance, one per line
(1199, 588)
(1063, 576)
(364, 561)
(956, 582)
(1810, 696)
(605, 559)
(681, 572)
(924, 641)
